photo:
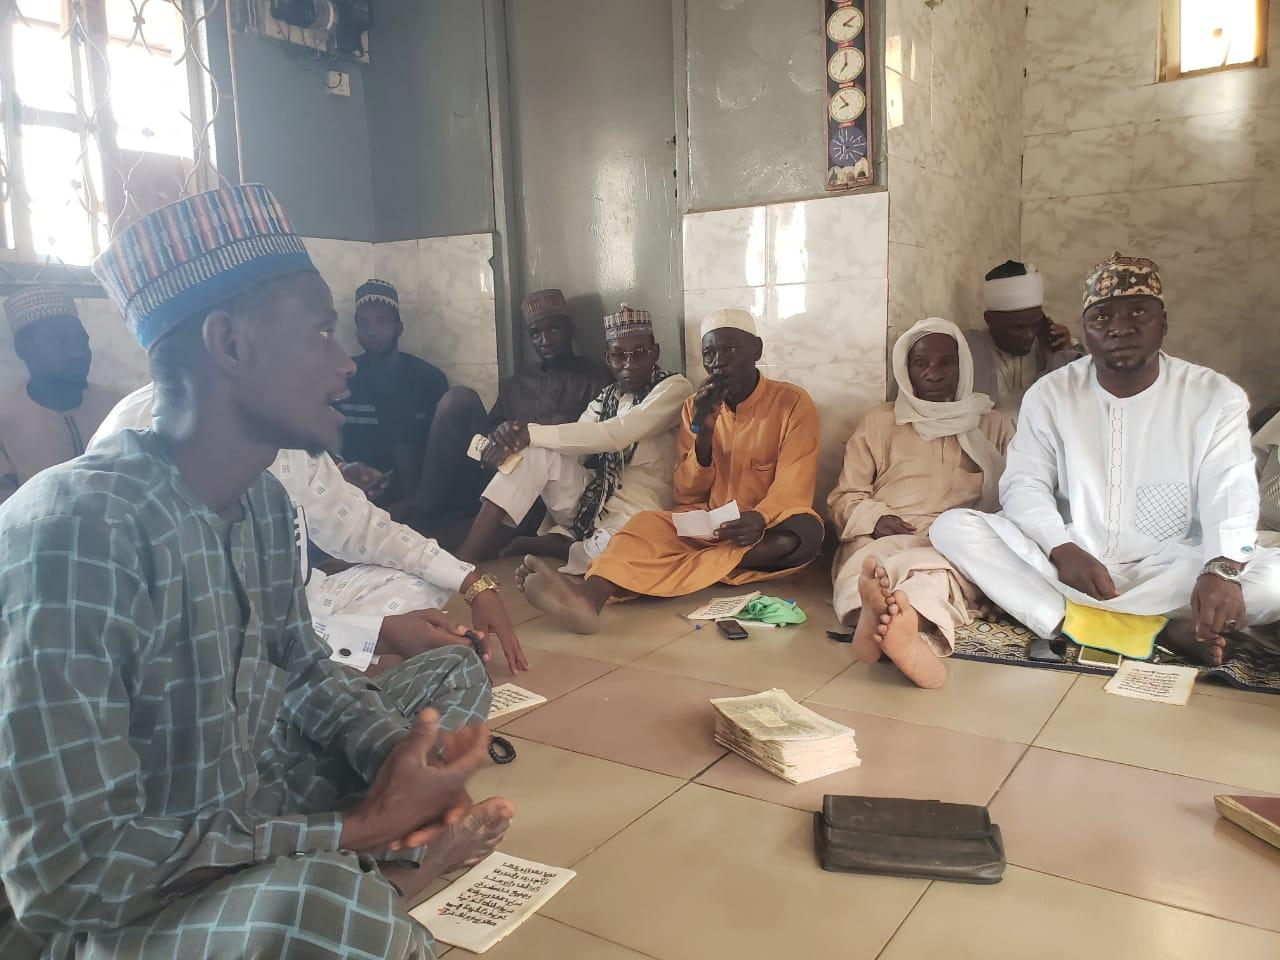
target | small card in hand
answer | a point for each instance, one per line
(476, 452)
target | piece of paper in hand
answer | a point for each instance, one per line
(487, 903)
(476, 452)
(702, 524)
(1158, 682)
(723, 607)
(508, 698)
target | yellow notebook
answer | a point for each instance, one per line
(1127, 634)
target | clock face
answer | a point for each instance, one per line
(848, 146)
(845, 64)
(844, 24)
(847, 105)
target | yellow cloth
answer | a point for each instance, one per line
(764, 456)
(1127, 634)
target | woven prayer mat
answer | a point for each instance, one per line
(1251, 668)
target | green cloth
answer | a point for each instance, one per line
(773, 610)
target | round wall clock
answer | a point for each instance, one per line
(846, 64)
(848, 146)
(844, 24)
(847, 105)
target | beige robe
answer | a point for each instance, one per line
(34, 438)
(890, 470)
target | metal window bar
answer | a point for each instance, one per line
(106, 185)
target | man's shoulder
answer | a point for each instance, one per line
(676, 383)
(1204, 381)
(422, 369)
(790, 395)
(1068, 379)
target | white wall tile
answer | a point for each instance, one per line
(397, 263)
(1075, 227)
(1187, 219)
(1083, 96)
(833, 238)
(725, 249)
(1182, 151)
(1062, 34)
(1078, 164)
(842, 320)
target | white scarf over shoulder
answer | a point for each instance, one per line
(960, 418)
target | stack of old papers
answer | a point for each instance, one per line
(773, 731)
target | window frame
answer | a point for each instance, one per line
(90, 76)
(1169, 44)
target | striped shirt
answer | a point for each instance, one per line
(155, 663)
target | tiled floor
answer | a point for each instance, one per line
(684, 852)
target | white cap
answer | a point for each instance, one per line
(1014, 293)
(729, 319)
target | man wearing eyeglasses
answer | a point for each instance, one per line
(593, 475)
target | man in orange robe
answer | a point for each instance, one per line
(743, 438)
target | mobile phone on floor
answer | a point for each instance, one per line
(732, 629)
(1092, 657)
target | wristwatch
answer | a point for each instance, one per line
(485, 582)
(1228, 570)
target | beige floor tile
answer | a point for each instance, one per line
(1033, 915)
(567, 804)
(991, 700)
(796, 659)
(539, 938)
(1140, 832)
(637, 717)
(898, 760)
(1211, 738)
(550, 674)
(629, 631)
(1227, 692)
(712, 875)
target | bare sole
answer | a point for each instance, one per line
(558, 597)
(908, 649)
(873, 588)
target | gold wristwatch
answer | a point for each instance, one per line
(484, 583)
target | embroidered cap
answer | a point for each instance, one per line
(627, 320)
(195, 253)
(543, 304)
(1120, 276)
(38, 303)
(377, 291)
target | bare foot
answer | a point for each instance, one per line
(456, 847)
(557, 596)
(1180, 636)
(873, 588)
(908, 649)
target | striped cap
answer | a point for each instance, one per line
(542, 304)
(193, 254)
(627, 320)
(38, 303)
(374, 290)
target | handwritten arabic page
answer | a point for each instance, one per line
(486, 904)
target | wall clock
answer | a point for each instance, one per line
(846, 97)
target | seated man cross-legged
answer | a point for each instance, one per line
(1129, 487)
(743, 438)
(628, 437)
(939, 445)
(187, 773)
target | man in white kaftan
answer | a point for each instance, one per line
(1129, 486)
(594, 475)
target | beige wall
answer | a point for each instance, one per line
(953, 89)
(1187, 173)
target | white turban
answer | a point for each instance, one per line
(730, 319)
(960, 418)
(1014, 293)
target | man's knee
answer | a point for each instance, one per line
(953, 529)
(451, 680)
(459, 400)
(809, 532)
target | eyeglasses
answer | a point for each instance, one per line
(619, 357)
